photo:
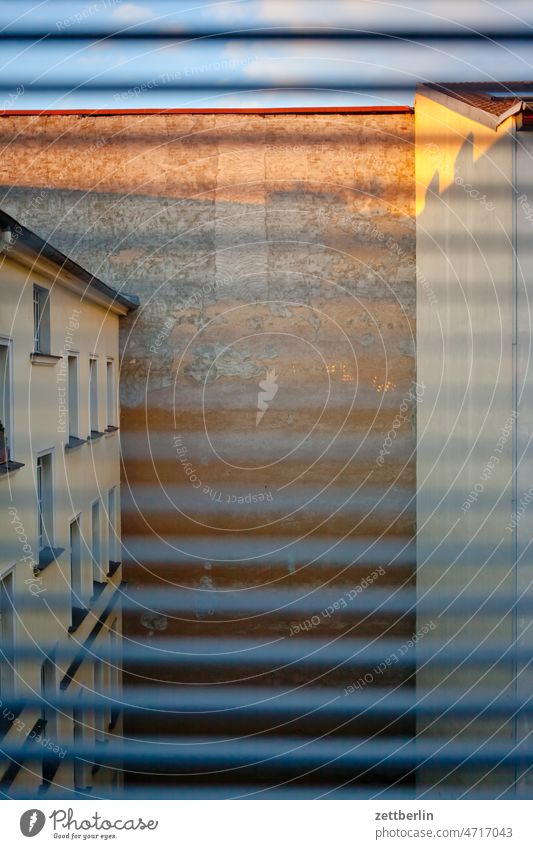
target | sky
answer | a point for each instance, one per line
(180, 72)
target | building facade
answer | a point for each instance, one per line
(474, 247)
(60, 570)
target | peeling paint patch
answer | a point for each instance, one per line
(211, 361)
(314, 321)
(154, 622)
(407, 348)
(279, 310)
(207, 586)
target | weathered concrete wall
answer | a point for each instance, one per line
(267, 224)
(257, 244)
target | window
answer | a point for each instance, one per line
(100, 711)
(44, 502)
(93, 395)
(111, 406)
(80, 766)
(41, 320)
(112, 519)
(5, 402)
(48, 691)
(73, 397)
(114, 674)
(50, 760)
(7, 635)
(96, 543)
(76, 582)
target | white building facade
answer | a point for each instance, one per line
(474, 155)
(60, 573)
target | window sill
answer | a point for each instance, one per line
(113, 566)
(78, 616)
(39, 359)
(98, 588)
(9, 467)
(74, 442)
(47, 556)
(94, 435)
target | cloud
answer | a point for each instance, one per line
(283, 13)
(380, 14)
(228, 11)
(131, 13)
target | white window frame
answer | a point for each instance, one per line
(111, 401)
(77, 594)
(100, 711)
(49, 686)
(49, 713)
(115, 671)
(97, 548)
(45, 535)
(113, 535)
(79, 766)
(73, 420)
(7, 397)
(7, 621)
(41, 319)
(93, 395)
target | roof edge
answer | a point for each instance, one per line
(286, 110)
(41, 248)
(436, 93)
